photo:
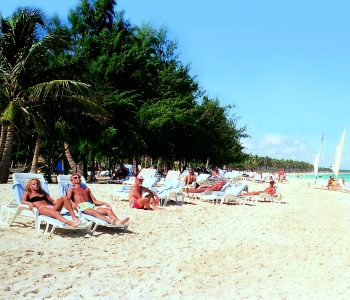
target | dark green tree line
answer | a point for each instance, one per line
(142, 99)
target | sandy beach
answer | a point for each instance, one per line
(299, 249)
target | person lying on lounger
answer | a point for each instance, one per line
(136, 200)
(202, 188)
(35, 196)
(270, 190)
(85, 201)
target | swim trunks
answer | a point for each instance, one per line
(85, 205)
(135, 205)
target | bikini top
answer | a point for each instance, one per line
(37, 198)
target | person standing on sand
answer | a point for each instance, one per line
(136, 200)
(35, 196)
(85, 201)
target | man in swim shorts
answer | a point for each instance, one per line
(83, 200)
(136, 200)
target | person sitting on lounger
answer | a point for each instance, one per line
(136, 200)
(202, 188)
(332, 184)
(85, 201)
(190, 178)
(35, 196)
(270, 190)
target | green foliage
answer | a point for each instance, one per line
(268, 164)
(147, 102)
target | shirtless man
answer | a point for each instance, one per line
(270, 190)
(83, 199)
(136, 200)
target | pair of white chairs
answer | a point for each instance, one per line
(9, 212)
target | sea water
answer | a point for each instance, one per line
(320, 176)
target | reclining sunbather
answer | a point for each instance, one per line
(136, 200)
(85, 201)
(270, 190)
(35, 196)
(202, 188)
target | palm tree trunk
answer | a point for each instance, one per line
(34, 166)
(207, 164)
(134, 163)
(93, 177)
(6, 156)
(71, 162)
(3, 138)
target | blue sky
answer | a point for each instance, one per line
(285, 65)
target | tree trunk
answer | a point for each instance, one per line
(3, 138)
(6, 156)
(34, 166)
(134, 163)
(93, 169)
(158, 164)
(74, 167)
(207, 164)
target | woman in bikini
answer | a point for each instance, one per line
(35, 196)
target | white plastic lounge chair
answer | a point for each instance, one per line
(123, 192)
(64, 184)
(213, 195)
(11, 211)
(202, 178)
(145, 173)
(230, 194)
(276, 197)
(169, 191)
(172, 177)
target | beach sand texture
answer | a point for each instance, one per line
(296, 250)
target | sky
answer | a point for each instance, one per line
(284, 65)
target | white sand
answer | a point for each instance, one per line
(296, 250)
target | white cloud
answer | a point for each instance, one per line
(271, 140)
(283, 147)
(277, 146)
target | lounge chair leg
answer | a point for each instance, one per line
(94, 227)
(9, 220)
(52, 230)
(47, 228)
(165, 201)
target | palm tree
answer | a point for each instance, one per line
(24, 89)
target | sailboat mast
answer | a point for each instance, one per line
(317, 159)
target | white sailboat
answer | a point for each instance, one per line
(338, 154)
(317, 159)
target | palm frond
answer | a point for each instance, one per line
(76, 95)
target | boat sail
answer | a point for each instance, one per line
(317, 159)
(338, 154)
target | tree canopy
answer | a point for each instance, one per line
(107, 91)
